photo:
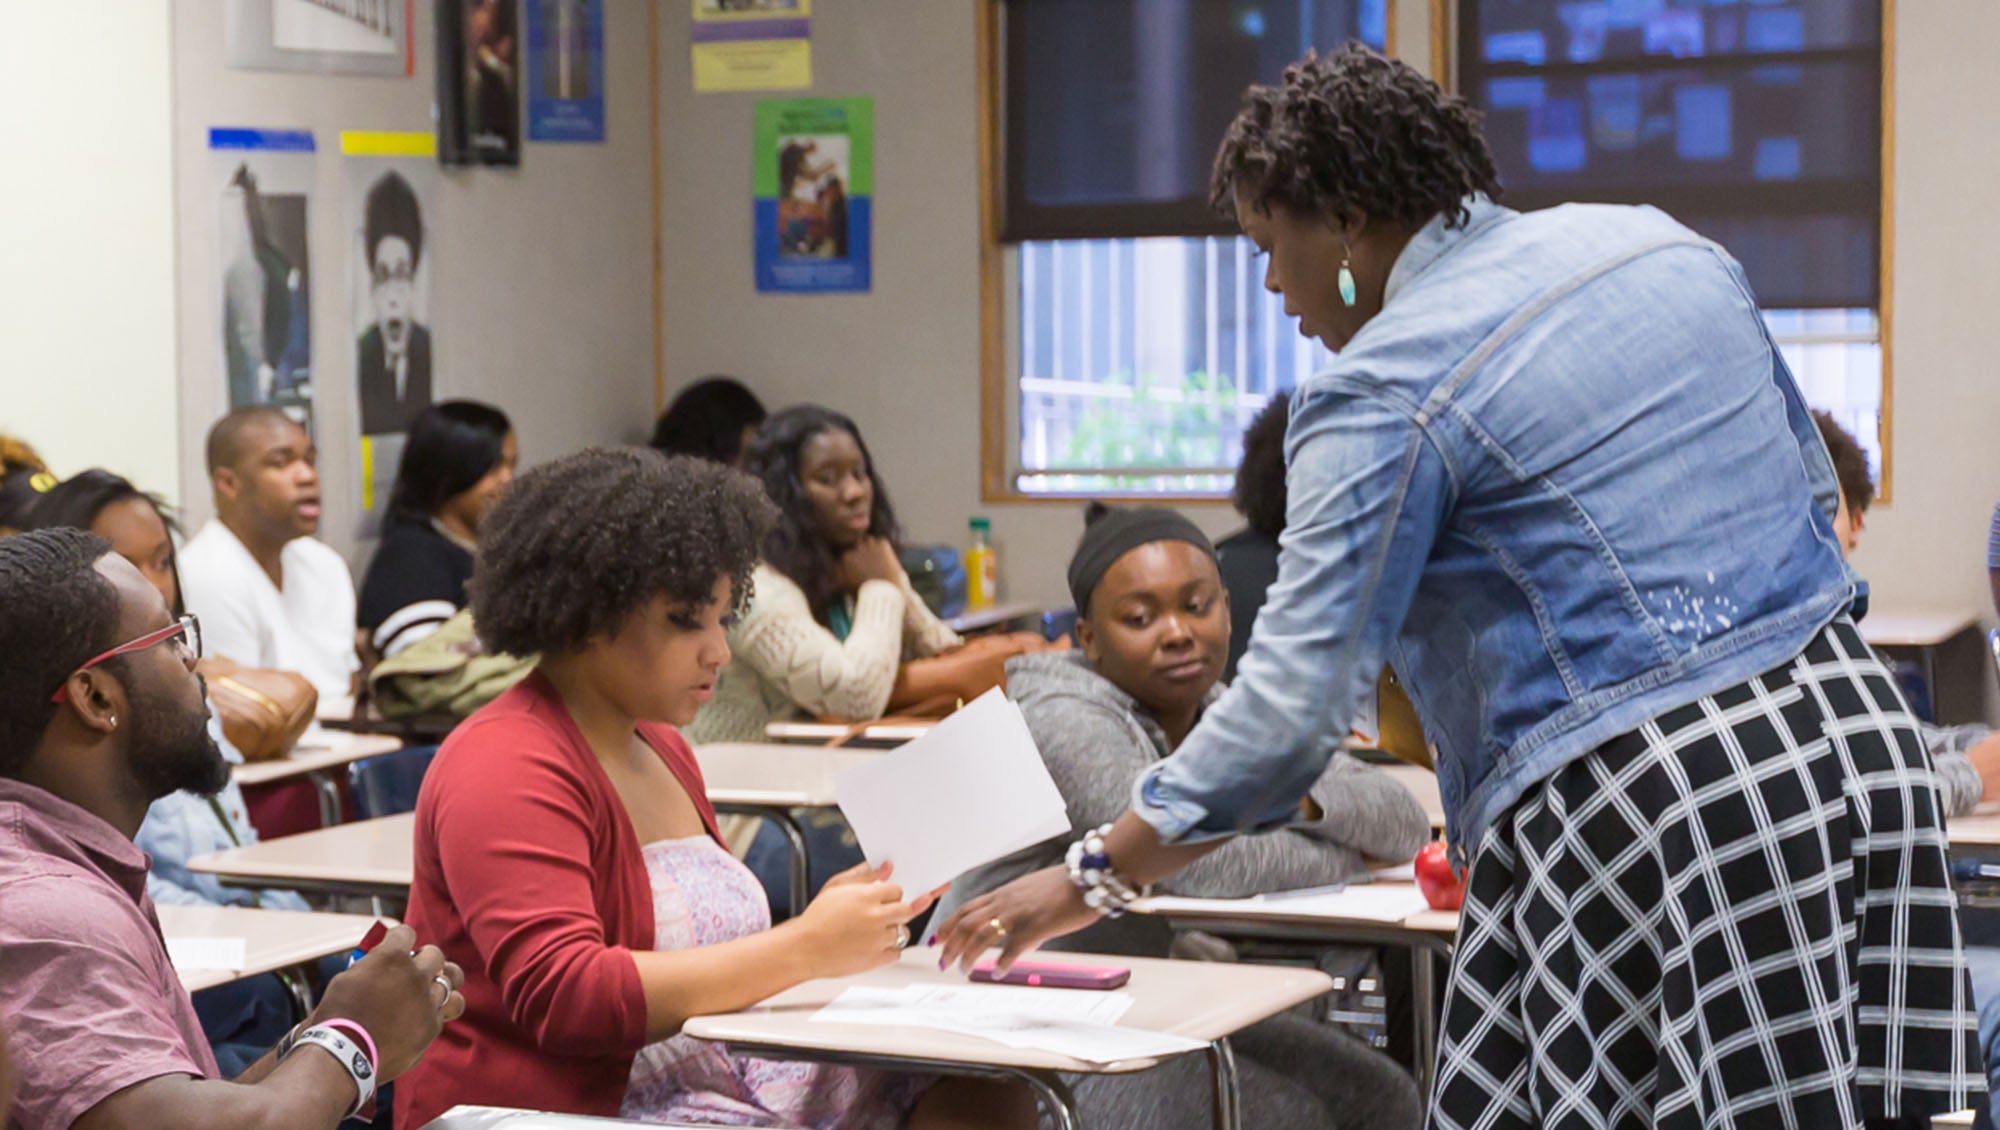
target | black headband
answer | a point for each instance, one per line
(1112, 532)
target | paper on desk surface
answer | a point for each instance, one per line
(1078, 1023)
(971, 790)
(207, 953)
(1368, 902)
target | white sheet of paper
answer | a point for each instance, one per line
(1368, 902)
(1401, 873)
(207, 953)
(971, 790)
(1081, 1024)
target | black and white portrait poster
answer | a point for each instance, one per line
(262, 180)
(360, 37)
(389, 181)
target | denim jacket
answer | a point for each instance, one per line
(180, 826)
(1563, 482)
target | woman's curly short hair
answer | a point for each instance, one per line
(1350, 134)
(577, 545)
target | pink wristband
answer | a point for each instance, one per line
(361, 1037)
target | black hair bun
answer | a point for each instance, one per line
(1093, 510)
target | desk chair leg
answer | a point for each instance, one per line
(329, 799)
(801, 863)
(1423, 1002)
(1228, 1097)
(1055, 1097)
(302, 998)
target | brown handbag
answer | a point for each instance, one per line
(263, 711)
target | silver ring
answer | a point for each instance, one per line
(442, 982)
(902, 937)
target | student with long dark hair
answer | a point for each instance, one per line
(714, 418)
(459, 457)
(835, 614)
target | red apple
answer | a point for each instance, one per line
(1443, 887)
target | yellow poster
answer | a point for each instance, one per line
(755, 64)
(752, 45)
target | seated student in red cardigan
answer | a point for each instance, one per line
(566, 852)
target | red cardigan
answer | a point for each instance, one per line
(529, 876)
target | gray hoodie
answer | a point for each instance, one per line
(1096, 740)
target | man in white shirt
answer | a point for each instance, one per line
(267, 592)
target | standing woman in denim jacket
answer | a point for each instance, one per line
(1561, 479)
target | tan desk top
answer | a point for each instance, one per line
(1956, 1118)
(365, 857)
(274, 939)
(1424, 785)
(1884, 627)
(1196, 999)
(820, 733)
(1285, 912)
(774, 775)
(319, 750)
(979, 619)
(1976, 830)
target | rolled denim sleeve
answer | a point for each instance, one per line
(1368, 491)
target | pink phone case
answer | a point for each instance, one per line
(1055, 975)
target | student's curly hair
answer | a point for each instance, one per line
(1260, 479)
(577, 545)
(1353, 133)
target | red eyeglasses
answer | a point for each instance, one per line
(187, 630)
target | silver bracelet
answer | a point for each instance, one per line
(1090, 871)
(350, 1055)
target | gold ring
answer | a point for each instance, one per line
(998, 927)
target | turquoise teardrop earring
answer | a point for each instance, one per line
(1347, 293)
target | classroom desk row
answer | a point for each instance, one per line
(1199, 1001)
(373, 858)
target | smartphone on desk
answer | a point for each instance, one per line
(1054, 975)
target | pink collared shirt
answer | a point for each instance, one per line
(91, 1001)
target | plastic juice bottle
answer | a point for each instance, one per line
(982, 567)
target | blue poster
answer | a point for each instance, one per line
(814, 185)
(565, 70)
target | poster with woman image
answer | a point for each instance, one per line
(814, 183)
(263, 183)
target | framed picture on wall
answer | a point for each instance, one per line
(355, 37)
(479, 82)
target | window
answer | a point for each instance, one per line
(1139, 340)
(1756, 122)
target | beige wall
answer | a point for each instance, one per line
(86, 237)
(542, 304)
(904, 359)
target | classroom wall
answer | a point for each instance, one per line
(86, 234)
(543, 299)
(903, 360)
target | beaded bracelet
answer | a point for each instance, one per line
(1090, 871)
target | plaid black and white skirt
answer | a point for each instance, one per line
(1738, 915)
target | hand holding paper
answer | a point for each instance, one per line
(971, 790)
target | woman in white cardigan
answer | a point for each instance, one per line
(833, 616)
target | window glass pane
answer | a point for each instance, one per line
(1150, 353)
(1785, 125)
(1116, 103)
(1592, 31)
